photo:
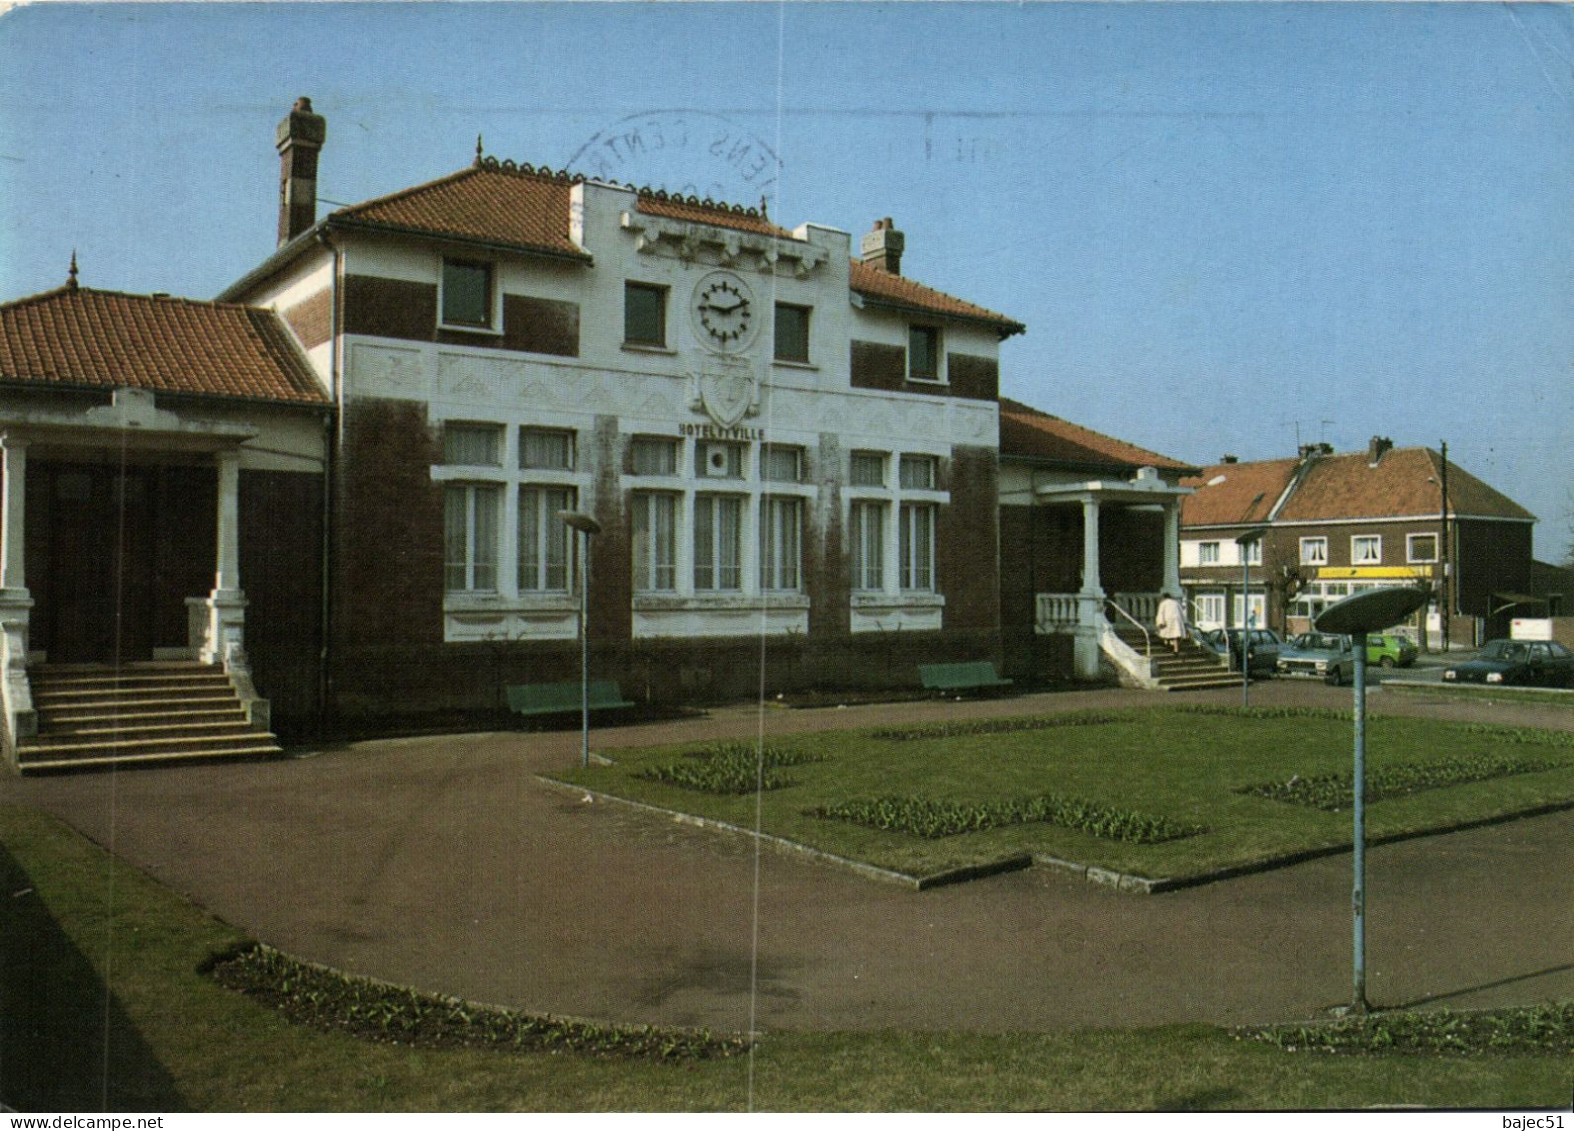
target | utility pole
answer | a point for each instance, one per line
(1444, 601)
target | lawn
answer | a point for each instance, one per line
(1183, 773)
(103, 1007)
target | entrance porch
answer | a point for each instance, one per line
(118, 545)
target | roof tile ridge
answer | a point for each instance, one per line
(65, 289)
(646, 192)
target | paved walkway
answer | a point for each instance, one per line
(444, 863)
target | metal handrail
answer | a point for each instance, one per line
(1147, 640)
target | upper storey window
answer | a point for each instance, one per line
(644, 314)
(467, 293)
(923, 353)
(792, 332)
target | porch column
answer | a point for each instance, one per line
(13, 506)
(1090, 600)
(1172, 582)
(16, 602)
(224, 637)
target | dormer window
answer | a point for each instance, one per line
(467, 294)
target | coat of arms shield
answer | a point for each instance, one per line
(727, 392)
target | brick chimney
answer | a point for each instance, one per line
(882, 247)
(300, 136)
(1379, 447)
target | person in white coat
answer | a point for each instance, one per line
(1171, 621)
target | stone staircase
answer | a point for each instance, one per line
(1193, 669)
(93, 716)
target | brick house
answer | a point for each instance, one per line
(1331, 525)
(776, 438)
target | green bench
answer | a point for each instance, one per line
(961, 677)
(561, 698)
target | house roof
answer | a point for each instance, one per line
(487, 203)
(74, 337)
(906, 294)
(1405, 482)
(1027, 433)
(499, 202)
(1236, 494)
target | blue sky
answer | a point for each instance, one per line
(1228, 227)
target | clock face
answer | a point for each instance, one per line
(724, 316)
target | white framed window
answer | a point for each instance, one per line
(1366, 549)
(467, 294)
(1314, 551)
(1420, 548)
(781, 465)
(868, 469)
(1207, 553)
(1256, 608)
(472, 445)
(1210, 610)
(654, 455)
(866, 544)
(470, 537)
(655, 541)
(917, 472)
(1253, 552)
(718, 542)
(781, 525)
(544, 539)
(917, 549)
(546, 449)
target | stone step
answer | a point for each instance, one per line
(159, 731)
(73, 722)
(218, 743)
(100, 762)
(102, 707)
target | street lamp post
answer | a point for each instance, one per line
(586, 526)
(1356, 617)
(1245, 542)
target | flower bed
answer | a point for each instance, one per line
(730, 768)
(1335, 792)
(932, 817)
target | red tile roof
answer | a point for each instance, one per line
(1236, 494)
(1027, 432)
(491, 203)
(79, 337)
(1406, 482)
(519, 205)
(900, 291)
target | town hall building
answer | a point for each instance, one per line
(344, 479)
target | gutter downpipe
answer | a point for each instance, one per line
(333, 437)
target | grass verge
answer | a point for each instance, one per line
(1176, 768)
(103, 1007)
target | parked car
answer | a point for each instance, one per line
(1321, 655)
(1390, 650)
(1522, 663)
(1265, 645)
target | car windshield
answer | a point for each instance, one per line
(1319, 642)
(1511, 650)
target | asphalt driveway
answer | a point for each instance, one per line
(444, 863)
